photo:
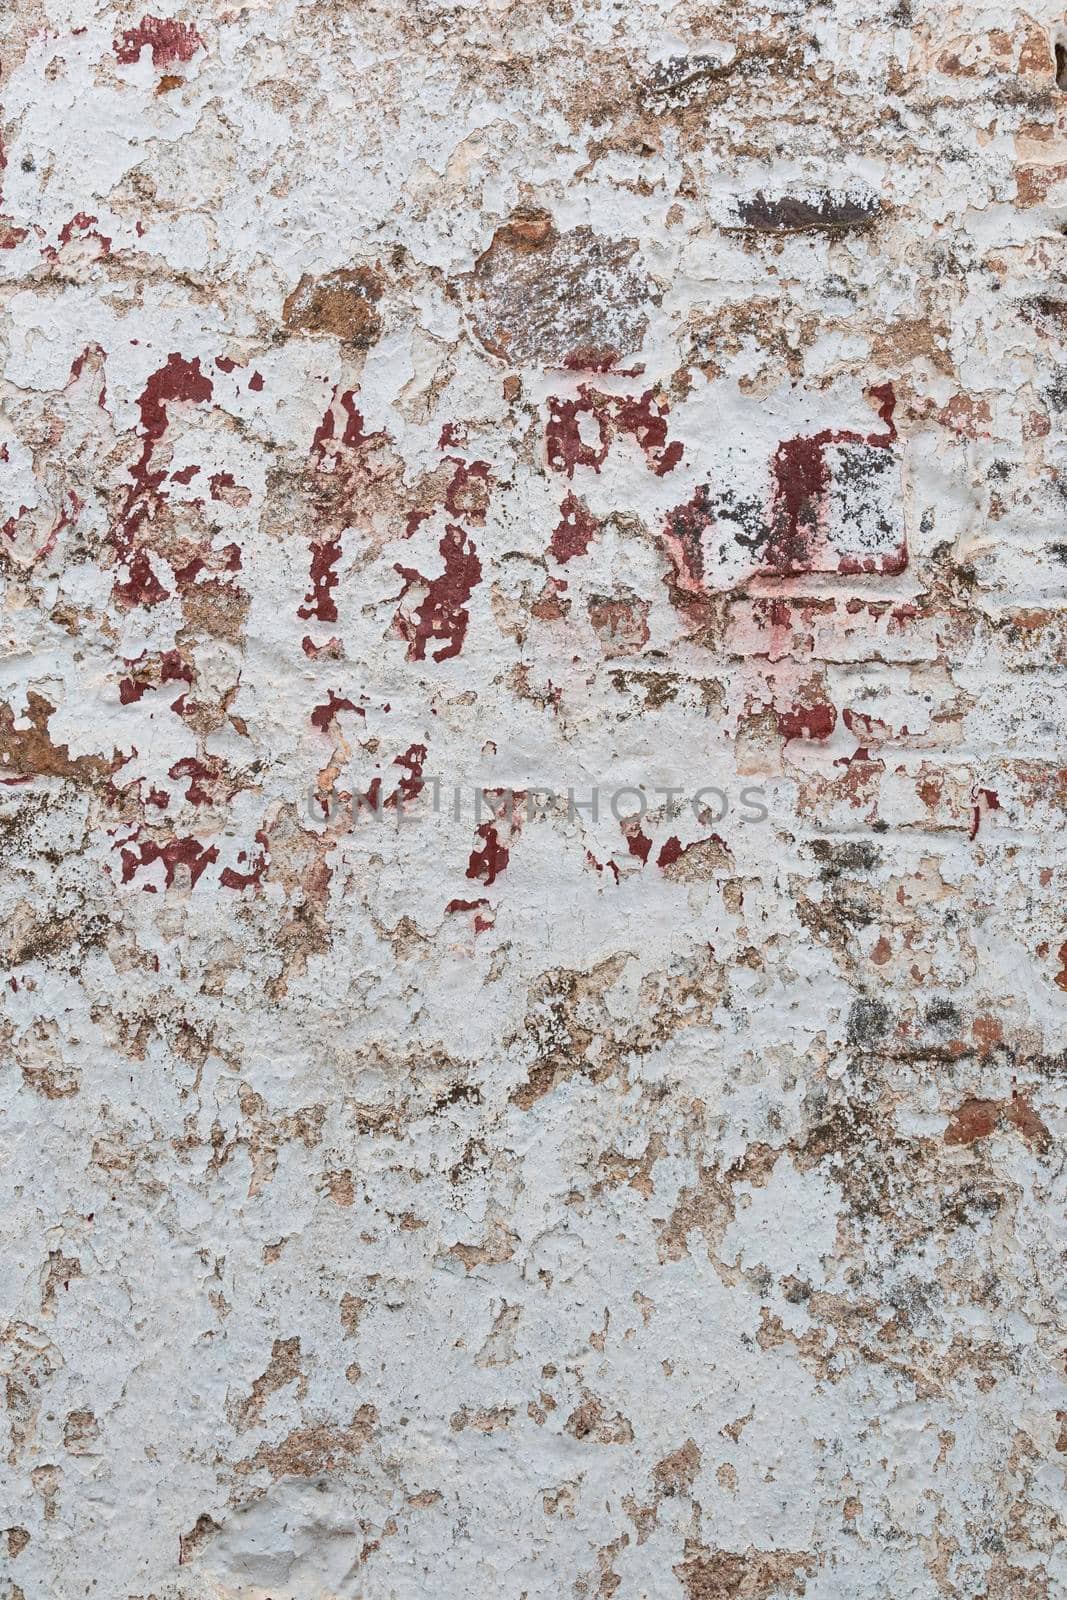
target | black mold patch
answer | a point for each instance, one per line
(942, 1014)
(747, 520)
(868, 1023)
(1056, 393)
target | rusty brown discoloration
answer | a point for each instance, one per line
(29, 752)
(343, 304)
(978, 1119)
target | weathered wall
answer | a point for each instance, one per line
(532, 396)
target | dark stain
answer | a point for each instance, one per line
(789, 214)
(850, 856)
(943, 1014)
(686, 72)
(868, 1023)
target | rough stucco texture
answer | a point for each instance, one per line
(403, 1199)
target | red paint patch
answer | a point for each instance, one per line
(172, 669)
(142, 587)
(801, 479)
(563, 440)
(683, 534)
(81, 223)
(332, 649)
(442, 613)
(352, 434)
(168, 40)
(978, 1119)
(199, 774)
(468, 493)
(187, 852)
(641, 417)
(323, 715)
(574, 533)
(166, 668)
(413, 520)
(319, 602)
(230, 878)
(975, 1119)
(646, 421)
(413, 760)
(177, 380)
(637, 842)
(671, 852)
(991, 800)
(807, 722)
(483, 920)
(488, 862)
(801, 483)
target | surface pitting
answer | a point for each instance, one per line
(532, 800)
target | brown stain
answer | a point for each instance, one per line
(1061, 976)
(742, 1575)
(676, 1473)
(591, 1422)
(217, 609)
(51, 1083)
(282, 1369)
(913, 339)
(352, 1309)
(1034, 183)
(30, 752)
(81, 1432)
(620, 623)
(342, 304)
(203, 1529)
(498, 1247)
(340, 1187)
(988, 1032)
(483, 1419)
(319, 1447)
